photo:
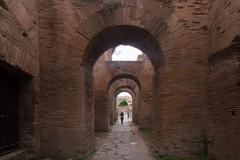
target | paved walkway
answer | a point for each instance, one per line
(121, 143)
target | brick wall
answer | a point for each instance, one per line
(67, 128)
(19, 54)
(193, 65)
(182, 80)
(179, 27)
(223, 88)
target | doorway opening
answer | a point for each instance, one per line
(9, 112)
(124, 106)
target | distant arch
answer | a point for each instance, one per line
(124, 76)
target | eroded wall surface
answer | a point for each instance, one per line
(182, 87)
(19, 55)
(67, 128)
(180, 29)
(195, 96)
(223, 83)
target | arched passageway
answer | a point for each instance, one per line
(81, 77)
(124, 77)
(134, 103)
(113, 77)
(129, 86)
(117, 77)
(115, 70)
(124, 106)
(189, 77)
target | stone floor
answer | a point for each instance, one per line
(121, 143)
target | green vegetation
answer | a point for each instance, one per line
(123, 103)
(84, 157)
(146, 130)
(169, 157)
(87, 156)
(147, 135)
(205, 142)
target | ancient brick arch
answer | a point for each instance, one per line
(122, 76)
(125, 89)
(107, 72)
(194, 95)
(142, 13)
(104, 114)
(123, 34)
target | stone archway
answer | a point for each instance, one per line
(123, 34)
(81, 81)
(194, 95)
(68, 28)
(101, 42)
(82, 41)
(129, 86)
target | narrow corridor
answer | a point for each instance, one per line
(121, 143)
(68, 68)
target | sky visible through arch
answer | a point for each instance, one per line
(125, 53)
(123, 94)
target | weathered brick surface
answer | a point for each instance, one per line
(19, 54)
(223, 103)
(223, 24)
(18, 38)
(79, 21)
(182, 80)
(223, 88)
(188, 85)
(67, 110)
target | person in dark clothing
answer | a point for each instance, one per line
(122, 117)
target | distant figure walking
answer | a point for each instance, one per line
(128, 114)
(122, 117)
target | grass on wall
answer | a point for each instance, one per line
(169, 157)
(147, 135)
